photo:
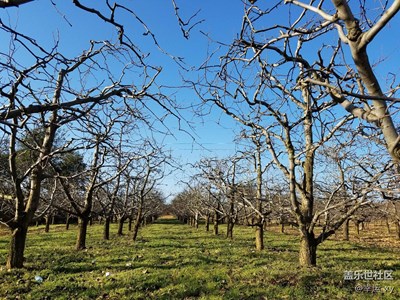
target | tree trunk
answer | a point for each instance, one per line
(47, 227)
(346, 230)
(283, 227)
(387, 225)
(136, 227)
(196, 220)
(308, 250)
(106, 232)
(398, 229)
(259, 237)
(130, 224)
(15, 257)
(67, 222)
(121, 222)
(207, 223)
(357, 227)
(138, 221)
(216, 226)
(82, 230)
(229, 229)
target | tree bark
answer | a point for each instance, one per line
(15, 257)
(229, 228)
(346, 230)
(138, 221)
(216, 221)
(47, 227)
(196, 220)
(387, 225)
(136, 227)
(130, 224)
(357, 223)
(83, 222)
(106, 232)
(308, 250)
(207, 223)
(67, 222)
(121, 222)
(259, 237)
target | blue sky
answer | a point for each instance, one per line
(214, 132)
(74, 29)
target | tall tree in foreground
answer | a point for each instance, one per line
(43, 87)
(270, 97)
(320, 40)
(271, 79)
(47, 82)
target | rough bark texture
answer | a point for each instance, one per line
(387, 225)
(138, 221)
(121, 222)
(136, 227)
(358, 46)
(357, 224)
(15, 257)
(130, 224)
(346, 230)
(67, 222)
(82, 230)
(48, 221)
(308, 250)
(106, 232)
(229, 228)
(259, 237)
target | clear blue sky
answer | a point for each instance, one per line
(74, 29)
(222, 21)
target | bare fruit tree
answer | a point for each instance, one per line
(266, 81)
(328, 48)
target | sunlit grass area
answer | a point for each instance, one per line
(174, 261)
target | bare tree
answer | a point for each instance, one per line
(256, 155)
(150, 172)
(99, 129)
(292, 116)
(336, 35)
(42, 87)
(46, 82)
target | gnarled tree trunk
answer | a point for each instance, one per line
(308, 250)
(15, 257)
(106, 232)
(83, 222)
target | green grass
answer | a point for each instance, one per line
(174, 261)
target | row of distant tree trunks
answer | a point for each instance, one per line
(372, 231)
(45, 224)
(377, 231)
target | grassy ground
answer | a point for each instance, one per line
(174, 261)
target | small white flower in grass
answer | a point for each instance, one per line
(108, 274)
